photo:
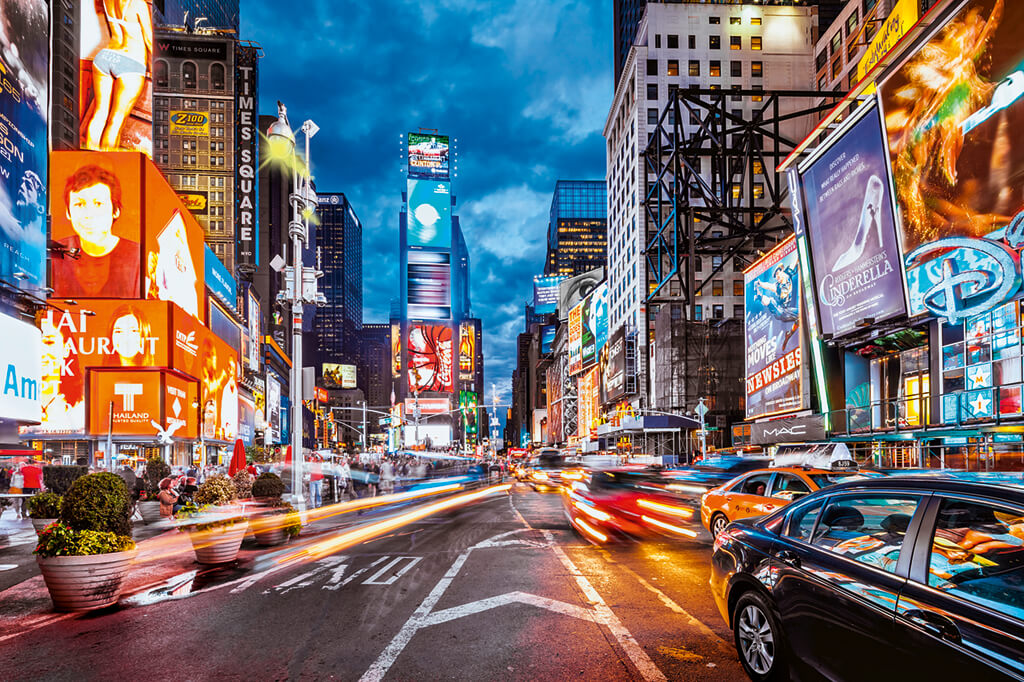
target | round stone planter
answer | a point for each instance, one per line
(270, 537)
(40, 524)
(84, 583)
(150, 511)
(218, 546)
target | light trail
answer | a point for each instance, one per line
(589, 530)
(665, 508)
(591, 511)
(668, 526)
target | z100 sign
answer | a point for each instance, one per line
(774, 354)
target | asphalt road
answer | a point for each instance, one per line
(503, 589)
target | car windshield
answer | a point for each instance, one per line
(551, 461)
(825, 480)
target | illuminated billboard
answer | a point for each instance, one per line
(20, 370)
(430, 358)
(192, 123)
(115, 97)
(252, 316)
(614, 366)
(467, 351)
(341, 376)
(594, 324)
(246, 153)
(429, 220)
(545, 293)
(851, 228)
(428, 155)
(218, 390)
(575, 340)
(588, 403)
(24, 59)
(952, 111)
(429, 289)
(141, 402)
(396, 350)
(773, 337)
(547, 338)
(468, 403)
(174, 247)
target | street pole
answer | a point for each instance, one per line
(364, 426)
(702, 410)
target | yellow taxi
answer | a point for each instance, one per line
(762, 491)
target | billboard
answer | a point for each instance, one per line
(246, 154)
(614, 364)
(218, 389)
(272, 432)
(951, 111)
(594, 324)
(221, 283)
(430, 358)
(588, 403)
(429, 291)
(467, 351)
(341, 376)
(115, 79)
(193, 123)
(396, 350)
(852, 230)
(554, 384)
(428, 155)
(96, 215)
(545, 293)
(773, 335)
(21, 369)
(252, 316)
(25, 61)
(575, 340)
(125, 402)
(468, 404)
(547, 338)
(174, 246)
(197, 202)
(429, 220)
(902, 17)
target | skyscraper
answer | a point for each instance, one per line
(197, 15)
(577, 227)
(338, 324)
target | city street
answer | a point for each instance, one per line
(502, 589)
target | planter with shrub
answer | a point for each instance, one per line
(43, 509)
(85, 555)
(269, 528)
(58, 477)
(214, 522)
(149, 506)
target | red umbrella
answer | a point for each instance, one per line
(288, 456)
(237, 459)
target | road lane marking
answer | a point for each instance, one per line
(8, 567)
(375, 578)
(463, 610)
(306, 579)
(358, 573)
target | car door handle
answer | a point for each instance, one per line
(934, 623)
(769, 507)
(788, 557)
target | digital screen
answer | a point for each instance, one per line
(396, 350)
(191, 123)
(774, 361)
(545, 293)
(429, 285)
(22, 370)
(225, 328)
(952, 111)
(547, 338)
(851, 229)
(467, 351)
(588, 403)
(430, 360)
(255, 339)
(342, 376)
(174, 245)
(575, 341)
(24, 58)
(428, 155)
(614, 373)
(273, 425)
(554, 407)
(429, 221)
(594, 324)
(218, 279)
(116, 89)
(246, 152)
(218, 390)
(468, 403)
(95, 208)
(125, 402)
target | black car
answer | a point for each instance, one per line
(895, 578)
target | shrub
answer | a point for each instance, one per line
(293, 522)
(98, 502)
(44, 506)
(268, 485)
(156, 471)
(58, 477)
(216, 490)
(242, 481)
(58, 539)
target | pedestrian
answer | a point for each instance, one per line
(167, 498)
(17, 486)
(387, 477)
(128, 476)
(344, 478)
(316, 482)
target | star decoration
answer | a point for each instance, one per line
(979, 406)
(979, 378)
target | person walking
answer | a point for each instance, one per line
(387, 477)
(316, 483)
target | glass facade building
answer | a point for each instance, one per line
(338, 325)
(219, 15)
(577, 227)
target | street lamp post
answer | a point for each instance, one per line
(300, 282)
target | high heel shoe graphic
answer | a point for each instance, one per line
(868, 224)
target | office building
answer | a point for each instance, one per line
(374, 373)
(64, 65)
(577, 227)
(337, 325)
(198, 15)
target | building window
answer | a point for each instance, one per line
(673, 67)
(837, 43)
(217, 76)
(851, 23)
(755, 21)
(851, 52)
(821, 60)
(737, 190)
(714, 20)
(736, 69)
(737, 287)
(160, 73)
(652, 91)
(756, 69)
(698, 264)
(691, 42)
(715, 67)
(735, 42)
(735, 21)
(188, 75)
(737, 98)
(717, 285)
(757, 98)
(737, 311)
(717, 311)
(837, 66)
(758, 190)
(657, 40)
(694, 70)
(652, 67)
(698, 312)
(673, 42)
(755, 42)
(652, 117)
(758, 167)
(714, 42)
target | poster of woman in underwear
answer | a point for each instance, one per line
(115, 72)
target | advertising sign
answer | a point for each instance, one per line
(272, 433)
(468, 403)
(396, 350)
(852, 232)
(545, 293)
(430, 358)
(575, 340)
(773, 337)
(429, 285)
(467, 351)
(428, 156)
(246, 421)
(193, 123)
(594, 324)
(547, 338)
(951, 112)
(615, 366)
(788, 430)
(221, 283)
(174, 246)
(588, 403)
(430, 214)
(554, 384)
(427, 406)
(252, 316)
(196, 202)
(200, 353)
(22, 370)
(125, 402)
(25, 63)
(900, 19)
(95, 208)
(341, 376)
(246, 154)
(180, 417)
(115, 82)
(179, 48)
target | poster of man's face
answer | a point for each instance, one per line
(24, 63)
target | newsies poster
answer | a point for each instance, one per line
(774, 356)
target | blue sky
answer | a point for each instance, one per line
(523, 84)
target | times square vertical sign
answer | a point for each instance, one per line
(246, 155)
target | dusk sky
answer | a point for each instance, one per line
(524, 86)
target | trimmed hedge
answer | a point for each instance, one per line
(58, 477)
(156, 471)
(268, 485)
(98, 502)
(44, 506)
(216, 490)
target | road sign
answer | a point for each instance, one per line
(702, 409)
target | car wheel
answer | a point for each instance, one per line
(718, 524)
(759, 638)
